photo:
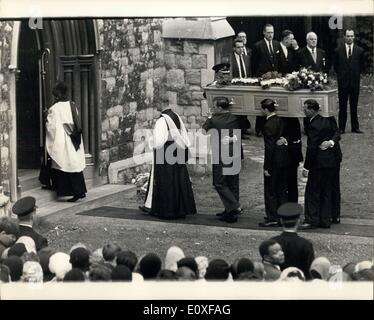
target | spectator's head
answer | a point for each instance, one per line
(185, 273)
(234, 269)
(128, 259)
(363, 265)
(121, 273)
(96, 256)
(289, 214)
(238, 46)
(150, 266)
(349, 36)
(268, 32)
(320, 268)
(18, 249)
(110, 251)
(311, 108)
(249, 276)
(202, 265)
(365, 275)
(59, 264)
(173, 255)
(218, 270)
(4, 274)
(268, 106)
(28, 242)
(189, 262)
(30, 256)
(349, 268)
(242, 36)
(100, 272)
(80, 258)
(311, 40)
(15, 266)
(8, 226)
(259, 270)
(60, 91)
(32, 272)
(44, 255)
(77, 245)
(287, 37)
(244, 265)
(25, 209)
(272, 252)
(292, 274)
(167, 275)
(74, 275)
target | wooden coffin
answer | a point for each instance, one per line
(248, 99)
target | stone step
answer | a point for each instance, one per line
(97, 196)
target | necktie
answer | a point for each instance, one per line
(349, 52)
(242, 66)
(271, 49)
(314, 55)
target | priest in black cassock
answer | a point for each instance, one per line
(169, 194)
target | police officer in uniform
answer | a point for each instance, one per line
(298, 251)
(25, 209)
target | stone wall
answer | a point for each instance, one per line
(6, 29)
(133, 76)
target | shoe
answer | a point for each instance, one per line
(269, 224)
(220, 214)
(77, 197)
(342, 131)
(145, 209)
(335, 221)
(307, 226)
(239, 212)
(230, 218)
(357, 131)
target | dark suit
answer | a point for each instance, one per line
(292, 133)
(348, 72)
(322, 166)
(287, 64)
(227, 186)
(272, 273)
(40, 241)
(235, 67)
(298, 251)
(262, 62)
(305, 59)
(275, 162)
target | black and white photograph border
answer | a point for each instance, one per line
(123, 64)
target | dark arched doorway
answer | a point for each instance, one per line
(63, 49)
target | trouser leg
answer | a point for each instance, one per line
(343, 100)
(353, 101)
(312, 198)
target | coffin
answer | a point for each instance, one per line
(248, 99)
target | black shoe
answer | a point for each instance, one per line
(145, 209)
(335, 221)
(230, 218)
(269, 223)
(220, 214)
(307, 226)
(77, 197)
(357, 131)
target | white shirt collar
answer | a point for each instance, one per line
(25, 225)
(270, 115)
(310, 49)
(347, 48)
(285, 50)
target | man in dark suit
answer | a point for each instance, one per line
(225, 131)
(243, 37)
(287, 55)
(241, 68)
(272, 257)
(298, 251)
(264, 59)
(348, 64)
(322, 160)
(312, 57)
(275, 163)
(25, 209)
(292, 133)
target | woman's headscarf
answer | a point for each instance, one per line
(322, 266)
(292, 274)
(28, 242)
(173, 255)
(202, 265)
